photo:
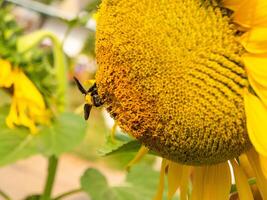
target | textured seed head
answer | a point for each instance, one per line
(170, 73)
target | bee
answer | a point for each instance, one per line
(91, 98)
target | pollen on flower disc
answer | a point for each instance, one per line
(170, 73)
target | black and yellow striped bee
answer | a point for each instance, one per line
(91, 98)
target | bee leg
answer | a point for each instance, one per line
(87, 109)
(79, 85)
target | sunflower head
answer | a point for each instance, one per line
(172, 76)
(187, 78)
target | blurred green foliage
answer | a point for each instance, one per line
(35, 62)
(135, 187)
(65, 133)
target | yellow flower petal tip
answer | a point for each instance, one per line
(140, 154)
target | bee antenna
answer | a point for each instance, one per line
(79, 85)
(92, 88)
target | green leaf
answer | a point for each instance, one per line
(65, 133)
(15, 143)
(95, 184)
(141, 184)
(118, 147)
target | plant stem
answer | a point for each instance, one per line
(71, 192)
(251, 181)
(4, 195)
(52, 168)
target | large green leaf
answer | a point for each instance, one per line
(66, 132)
(141, 184)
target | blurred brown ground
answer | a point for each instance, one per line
(28, 176)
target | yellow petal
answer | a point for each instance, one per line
(24, 88)
(6, 77)
(174, 178)
(256, 114)
(140, 154)
(160, 189)
(256, 67)
(245, 165)
(12, 117)
(39, 115)
(28, 106)
(233, 4)
(178, 177)
(212, 182)
(260, 90)
(252, 13)
(263, 163)
(255, 40)
(243, 188)
(113, 131)
(23, 118)
(18, 115)
(185, 182)
(254, 160)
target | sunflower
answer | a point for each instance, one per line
(188, 79)
(27, 106)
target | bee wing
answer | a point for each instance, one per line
(79, 85)
(87, 109)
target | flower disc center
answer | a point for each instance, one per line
(170, 73)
